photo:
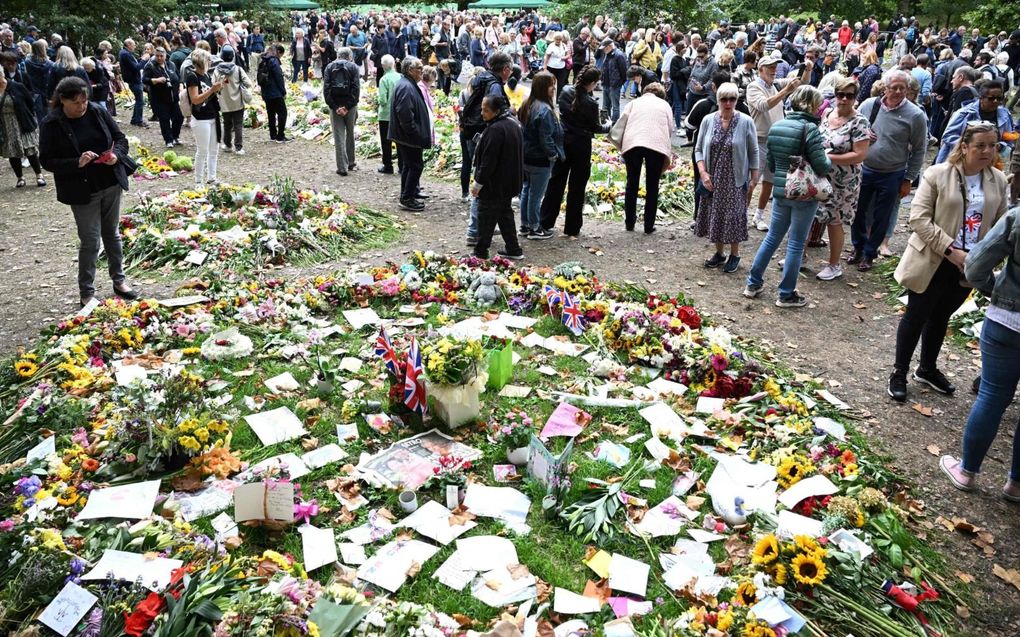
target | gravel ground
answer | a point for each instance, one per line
(846, 335)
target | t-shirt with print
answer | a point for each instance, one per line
(209, 108)
(967, 236)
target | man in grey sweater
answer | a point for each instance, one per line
(899, 142)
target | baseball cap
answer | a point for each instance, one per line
(768, 60)
(606, 42)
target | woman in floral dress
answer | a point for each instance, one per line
(727, 157)
(846, 136)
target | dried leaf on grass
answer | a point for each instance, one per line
(460, 515)
(921, 409)
(1011, 576)
(966, 578)
(517, 571)
(414, 569)
(934, 450)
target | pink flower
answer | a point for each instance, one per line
(7, 526)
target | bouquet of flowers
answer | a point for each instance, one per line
(451, 361)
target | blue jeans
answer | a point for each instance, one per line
(473, 218)
(629, 84)
(881, 190)
(1000, 372)
(536, 179)
(787, 215)
(299, 66)
(678, 101)
(611, 102)
(137, 116)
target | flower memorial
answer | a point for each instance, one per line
(247, 227)
(177, 467)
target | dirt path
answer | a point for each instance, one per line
(845, 335)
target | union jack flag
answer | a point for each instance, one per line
(552, 296)
(414, 384)
(384, 350)
(572, 315)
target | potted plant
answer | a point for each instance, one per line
(513, 432)
(450, 476)
(455, 378)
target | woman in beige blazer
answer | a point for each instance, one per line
(956, 204)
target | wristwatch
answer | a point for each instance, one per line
(949, 250)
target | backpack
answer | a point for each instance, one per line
(184, 101)
(263, 75)
(471, 116)
(339, 79)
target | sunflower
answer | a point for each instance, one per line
(766, 550)
(757, 629)
(808, 544)
(809, 569)
(779, 574)
(747, 594)
(791, 470)
(26, 368)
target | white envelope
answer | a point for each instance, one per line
(128, 501)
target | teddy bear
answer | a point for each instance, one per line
(484, 289)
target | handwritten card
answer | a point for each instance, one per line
(388, 568)
(264, 501)
(276, 426)
(153, 572)
(566, 420)
(129, 502)
(664, 421)
(67, 608)
(318, 546)
(183, 301)
(196, 257)
(433, 521)
(361, 317)
(665, 387)
(628, 575)
(346, 432)
(42, 450)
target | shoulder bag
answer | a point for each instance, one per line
(618, 129)
(802, 183)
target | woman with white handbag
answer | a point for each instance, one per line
(797, 158)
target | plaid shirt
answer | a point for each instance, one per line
(743, 78)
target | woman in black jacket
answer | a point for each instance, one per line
(19, 129)
(160, 77)
(579, 113)
(85, 150)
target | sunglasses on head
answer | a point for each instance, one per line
(846, 96)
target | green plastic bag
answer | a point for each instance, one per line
(501, 366)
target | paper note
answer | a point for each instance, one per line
(515, 391)
(351, 364)
(154, 572)
(67, 608)
(500, 587)
(353, 554)
(831, 427)
(709, 405)
(849, 542)
(361, 317)
(658, 449)
(516, 322)
(533, 339)
(285, 465)
(127, 374)
(487, 552)
(455, 572)
(42, 450)
(224, 526)
(433, 520)
(503, 503)
(813, 486)
(566, 420)
(776, 612)
(827, 396)
(318, 546)
(791, 524)
(666, 518)
(347, 432)
(323, 456)
(183, 301)
(664, 421)
(665, 387)
(264, 501)
(129, 501)
(599, 563)
(276, 426)
(628, 575)
(196, 257)
(569, 603)
(546, 370)
(282, 383)
(388, 568)
(705, 536)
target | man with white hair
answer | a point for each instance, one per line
(894, 160)
(131, 71)
(388, 79)
(341, 88)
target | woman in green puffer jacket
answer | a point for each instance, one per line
(796, 135)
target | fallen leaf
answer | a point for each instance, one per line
(413, 569)
(188, 483)
(1012, 576)
(598, 590)
(493, 584)
(921, 409)
(310, 404)
(463, 620)
(232, 543)
(543, 590)
(962, 525)
(966, 578)
(860, 306)
(962, 612)
(460, 515)
(853, 285)
(309, 443)
(545, 629)
(680, 464)
(517, 571)
(934, 450)
(384, 512)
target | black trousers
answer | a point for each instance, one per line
(561, 78)
(233, 125)
(653, 162)
(34, 161)
(386, 145)
(467, 152)
(276, 109)
(927, 318)
(492, 213)
(410, 172)
(575, 171)
(170, 119)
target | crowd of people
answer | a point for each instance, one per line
(830, 122)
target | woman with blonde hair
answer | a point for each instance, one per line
(846, 136)
(956, 204)
(871, 72)
(647, 53)
(203, 94)
(555, 61)
(796, 135)
(65, 64)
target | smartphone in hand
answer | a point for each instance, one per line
(105, 157)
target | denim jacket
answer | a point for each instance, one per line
(971, 112)
(543, 136)
(1002, 241)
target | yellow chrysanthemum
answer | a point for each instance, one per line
(724, 620)
(766, 550)
(809, 569)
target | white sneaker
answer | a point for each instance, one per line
(830, 273)
(759, 221)
(240, 151)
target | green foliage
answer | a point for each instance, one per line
(994, 16)
(83, 23)
(637, 12)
